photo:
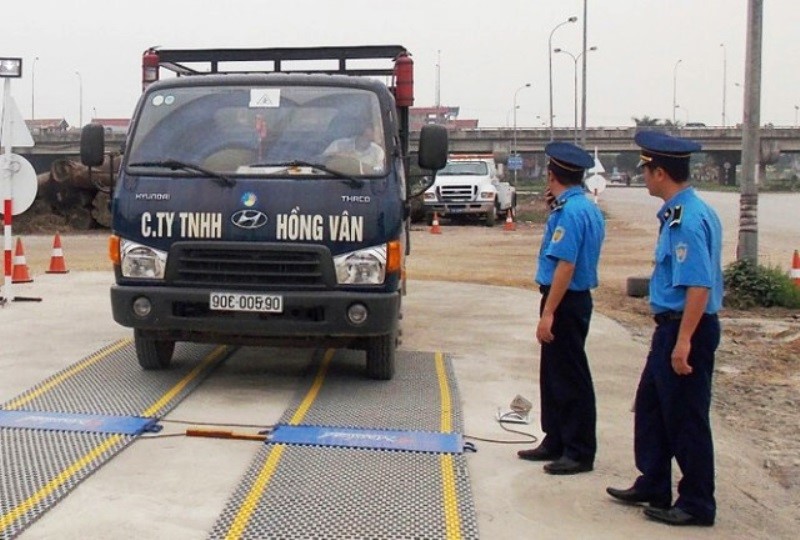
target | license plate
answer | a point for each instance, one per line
(232, 301)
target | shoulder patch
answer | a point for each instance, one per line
(558, 234)
(675, 215)
(681, 251)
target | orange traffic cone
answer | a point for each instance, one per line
(509, 225)
(20, 273)
(796, 268)
(435, 228)
(57, 265)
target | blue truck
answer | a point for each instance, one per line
(263, 199)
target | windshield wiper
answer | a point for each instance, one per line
(174, 164)
(354, 182)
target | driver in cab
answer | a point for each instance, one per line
(361, 147)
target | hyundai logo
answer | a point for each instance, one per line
(249, 219)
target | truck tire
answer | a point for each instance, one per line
(380, 357)
(491, 217)
(153, 354)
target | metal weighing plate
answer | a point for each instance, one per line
(40, 465)
(333, 492)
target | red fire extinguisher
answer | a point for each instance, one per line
(404, 80)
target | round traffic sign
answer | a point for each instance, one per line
(596, 183)
(23, 181)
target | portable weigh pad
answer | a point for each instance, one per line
(60, 431)
(300, 487)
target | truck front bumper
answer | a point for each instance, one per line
(458, 208)
(183, 314)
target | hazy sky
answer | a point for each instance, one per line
(488, 50)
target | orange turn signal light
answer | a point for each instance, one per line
(113, 249)
(394, 256)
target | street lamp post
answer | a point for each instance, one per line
(685, 112)
(33, 88)
(675, 88)
(526, 85)
(575, 61)
(583, 73)
(80, 99)
(724, 81)
(550, 63)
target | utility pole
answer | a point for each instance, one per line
(747, 248)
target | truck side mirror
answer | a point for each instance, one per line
(93, 143)
(433, 143)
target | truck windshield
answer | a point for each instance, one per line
(474, 168)
(243, 130)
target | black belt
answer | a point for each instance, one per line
(545, 289)
(666, 316)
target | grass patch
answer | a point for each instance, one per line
(749, 285)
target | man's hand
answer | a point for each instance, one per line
(549, 198)
(544, 330)
(680, 358)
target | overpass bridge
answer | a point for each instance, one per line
(614, 139)
(723, 144)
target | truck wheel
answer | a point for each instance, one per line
(380, 357)
(153, 354)
(491, 217)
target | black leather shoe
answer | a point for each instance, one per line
(632, 496)
(565, 465)
(676, 516)
(540, 453)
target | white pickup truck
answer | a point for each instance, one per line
(469, 186)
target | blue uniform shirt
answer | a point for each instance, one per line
(688, 253)
(574, 233)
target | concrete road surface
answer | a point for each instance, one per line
(176, 487)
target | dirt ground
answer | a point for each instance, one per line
(757, 385)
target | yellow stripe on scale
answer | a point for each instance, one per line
(250, 502)
(444, 394)
(29, 503)
(74, 370)
(212, 357)
(97, 452)
(449, 495)
(313, 392)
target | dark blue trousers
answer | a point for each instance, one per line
(672, 419)
(568, 411)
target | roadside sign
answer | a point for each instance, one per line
(515, 163)
(596, 183)
(19, 137)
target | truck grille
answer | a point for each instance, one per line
(456, 193)
(252, 266)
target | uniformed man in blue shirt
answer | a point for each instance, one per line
(674, 394)
(566, 273)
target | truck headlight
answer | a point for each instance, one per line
(487, 195)
(140, 261)
(430, 196)
(361, 267)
